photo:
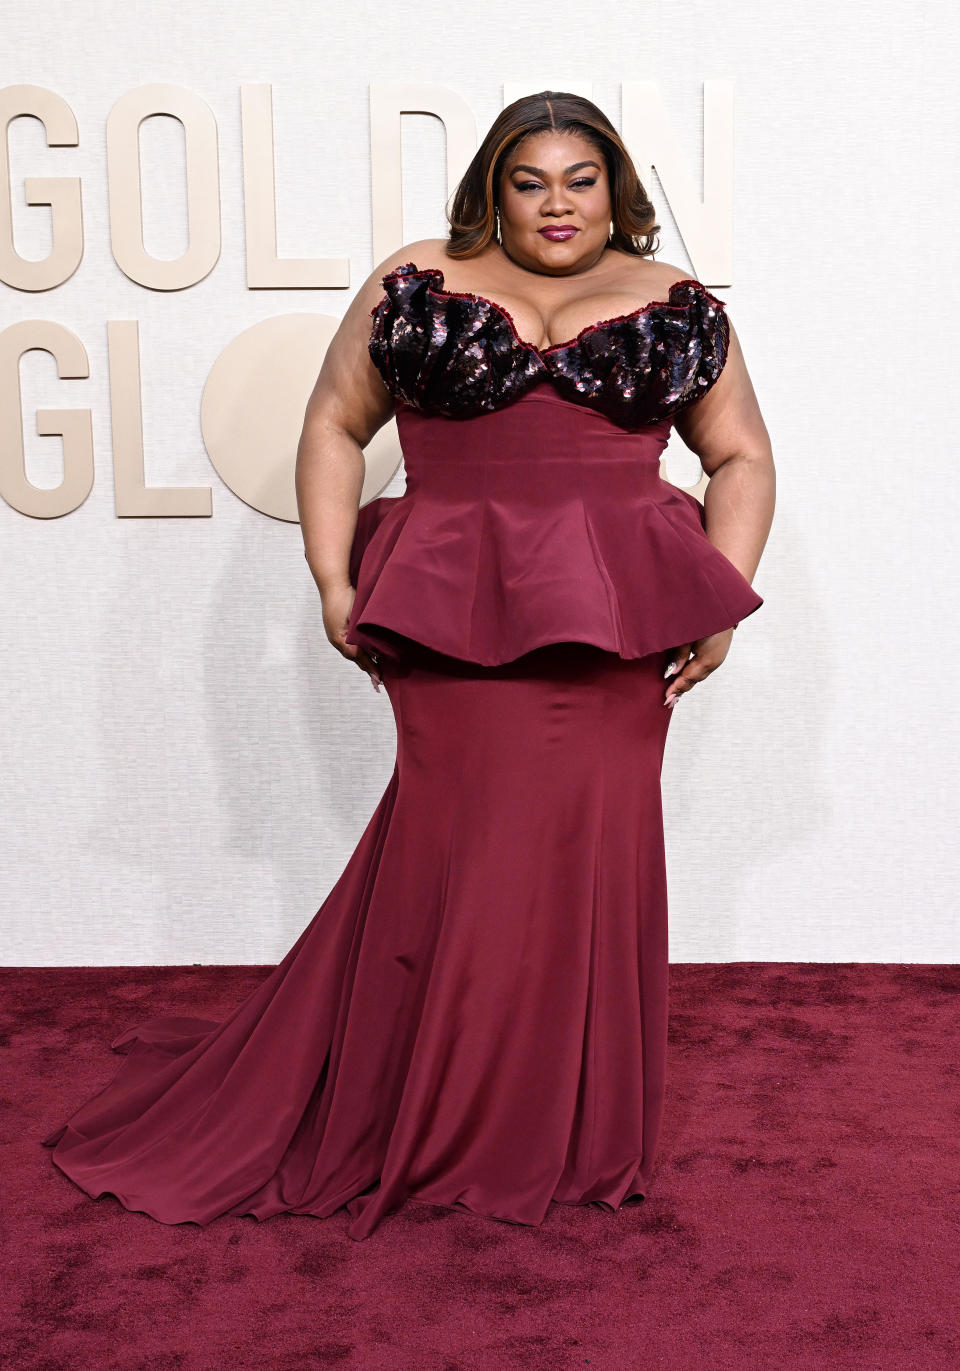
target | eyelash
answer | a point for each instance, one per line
(581, 181)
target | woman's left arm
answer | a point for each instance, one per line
(726, 431)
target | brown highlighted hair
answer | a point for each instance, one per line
(473, 205)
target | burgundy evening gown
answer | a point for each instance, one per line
(476, 1016)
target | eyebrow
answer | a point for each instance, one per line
(538, 171)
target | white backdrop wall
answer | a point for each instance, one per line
(187, 764)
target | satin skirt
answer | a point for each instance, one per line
(476, 1016)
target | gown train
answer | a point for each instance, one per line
(475, 1017)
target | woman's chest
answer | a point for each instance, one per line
(552, 317)
(458, 353)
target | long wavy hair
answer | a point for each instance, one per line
(473, 205)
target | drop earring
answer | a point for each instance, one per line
(499, 236)
(610, 238)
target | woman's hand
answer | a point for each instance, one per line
(337, 603)
(707, 652)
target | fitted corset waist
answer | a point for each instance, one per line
(539, 444)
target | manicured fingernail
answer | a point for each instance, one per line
(670, 670)
(672, 701)
(375, 682)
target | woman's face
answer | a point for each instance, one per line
(554, 181)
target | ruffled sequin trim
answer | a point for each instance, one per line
(460, 354)
(410, 269)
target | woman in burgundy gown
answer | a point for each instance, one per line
(476, 1016)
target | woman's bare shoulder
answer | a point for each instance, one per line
(657, 277)
(425, 252)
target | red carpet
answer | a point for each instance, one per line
(803, 1214)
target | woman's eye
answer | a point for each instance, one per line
(535, 185)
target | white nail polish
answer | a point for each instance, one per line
(671, 668)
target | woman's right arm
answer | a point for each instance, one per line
(347, 406)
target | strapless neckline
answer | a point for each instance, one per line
(459, 353)
(410, 269)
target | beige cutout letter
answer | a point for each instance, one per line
(132, 496)
(265, 270)
(73, 425)
(61, 193)
(388, 101)
(203, 187)
(706, 225)
(251, 413)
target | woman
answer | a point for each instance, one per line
(476, 1017)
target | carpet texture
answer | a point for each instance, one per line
(803, 1212)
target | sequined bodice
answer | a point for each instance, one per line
(458, 354)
